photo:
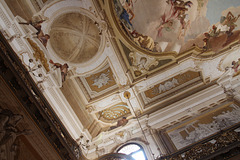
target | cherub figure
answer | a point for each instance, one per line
(40, 35)
(235, 65)
(43, 38)
(179, 7)
(122, 122)
(214, 32)
(168, 26)
(63, 68)
(229, 21)
(206, 44)
(36, 24)
(177, 12)
(143, 40)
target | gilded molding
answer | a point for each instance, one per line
(39, 54)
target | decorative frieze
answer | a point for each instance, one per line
(171, 86)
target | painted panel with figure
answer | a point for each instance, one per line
(204, 126)
(171, 87)
(178, 25)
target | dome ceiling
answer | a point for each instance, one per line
(74, 37)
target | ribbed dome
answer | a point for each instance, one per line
(74, 37)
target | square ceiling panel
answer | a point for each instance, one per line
(175, 85)
(100, 83)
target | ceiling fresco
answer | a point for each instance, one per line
(155, 63)
(178, 25)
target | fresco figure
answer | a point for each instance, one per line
(214, 32)
(128, 6)
(125, 16)
(141, 64)
(222, 34)
(177, 25)
(177, 11)
(206, 44)
(229, 21)
(121, 122)
(200, 129)
(125, 12)
(143, 41)
(235, 65)
(166, 24)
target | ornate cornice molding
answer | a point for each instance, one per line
(22, 85)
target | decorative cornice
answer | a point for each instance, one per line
(22, 85)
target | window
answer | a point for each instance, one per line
(134, 150)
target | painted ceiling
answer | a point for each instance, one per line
(163, 30)
(177, 25)
(157, 50)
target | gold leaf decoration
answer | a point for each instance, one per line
(39, 54)
(112, 114)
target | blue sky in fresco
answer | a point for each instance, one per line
(215, 8)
